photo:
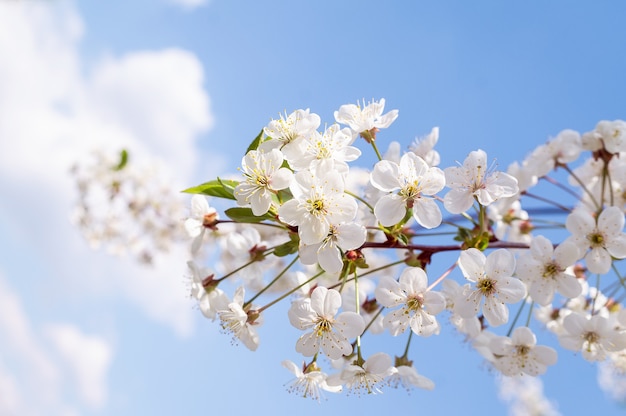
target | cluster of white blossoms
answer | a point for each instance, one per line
(343, 245)
(127, 206)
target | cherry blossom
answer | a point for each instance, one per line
(202, 217)
(474, 180)
(329, 334)
(418, 304)
(547, 270)
(309, 381)
(492, 281)
(415, 182)
(235, 320)
(600, 239)
(367, 377)
(264, 176)
(318, 201)
(519, 354)
(364, 119)
(592, 335)
(288, 132)
(329, 252)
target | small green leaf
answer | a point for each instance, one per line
(221, 188)
(245, 215)
(256, 142)
(290, 247)
(123, 160)
(286, 249)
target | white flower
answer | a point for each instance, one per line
(470, 326)
(547, 270)
(287, 133)
(519, 354)
(210, 298)
(329, 252)
(414, 180)
(367, 377)
(418, 305)
(474, 180)
(202, 217)
(235, 320)
(329, 333)
(605, 237)
(328, 151)
(407, 376)
(424, 147)
(610, 135)
(593, 335)
(264, 175)
(564, 148)
(510, 220)
(318, 201)
(309, 381)
(492, 281)
(366, 120)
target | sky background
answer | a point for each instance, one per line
(190, 84)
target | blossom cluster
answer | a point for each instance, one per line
(127, 206)
(341, 244)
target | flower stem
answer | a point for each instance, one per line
(519, 312)
(292, 291)
(443, 276)
(272, 282)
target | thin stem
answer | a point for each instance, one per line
(355, 196)
(530, 313)
(560, 185)
(582, 185)
(292, 291)
(542, 199)
(236, 270)
(519, 312)
(593, 302)
(272, 282)
(358, 311)
(443, 276)
(373, 142)
(408, 343)
(373, 319)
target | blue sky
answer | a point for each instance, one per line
(83, 332)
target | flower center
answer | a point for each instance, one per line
(414, 303)
(317, 207)
(486, 286)
(522, 349)
(323, 325)
(596, 239)
(411, 190)
(550, 270)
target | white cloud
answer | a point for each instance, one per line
(52, 112)
(88, 357)
(31, 382)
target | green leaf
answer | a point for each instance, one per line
(255, 143)
(245, 215)
(290, 247)
(123, 160)
(221, 188)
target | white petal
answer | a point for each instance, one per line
(330, 258)
(427, 213)
(390, 209)
(385, 176)
(472, 264)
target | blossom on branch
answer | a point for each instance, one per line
(475, 181)
(492, 282)
(415, 182)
